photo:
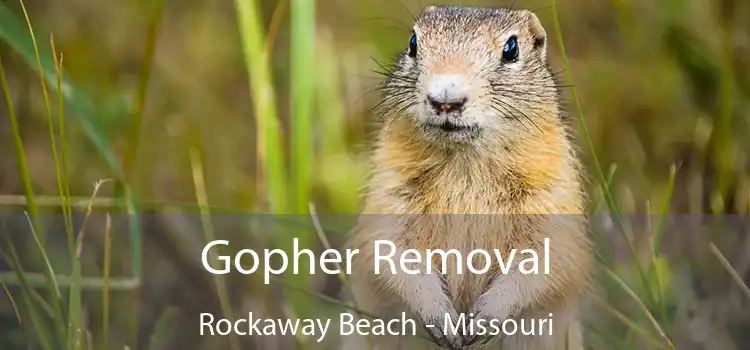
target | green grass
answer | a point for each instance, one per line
(268, 130)
(16, 35)
(288, 186)
(643, 278)
(62, 172)
(16, 312)
(302, 94)
(208, 231)
(106, 282)
(68, 331)
(43, 333)
(296, 166)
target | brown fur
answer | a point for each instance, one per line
(521, 172)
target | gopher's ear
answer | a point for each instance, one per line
(538, 34)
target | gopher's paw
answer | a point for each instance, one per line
(442, 337)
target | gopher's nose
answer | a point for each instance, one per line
(442, 105)
(447, 93)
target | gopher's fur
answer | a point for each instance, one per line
(508, 180)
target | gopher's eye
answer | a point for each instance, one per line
(413, 46)
(510, 50)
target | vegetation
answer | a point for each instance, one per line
(193, 120)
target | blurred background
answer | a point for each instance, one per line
(177, 103)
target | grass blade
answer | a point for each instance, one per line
(302, 150)
(656, 255)
(610, 177)
(642, 306)
(18, 314)
(134, 231)
(630, 323)
(54, 290)
(327, 245)
(38, 235)
(270, 151)
(39, 324)
(43, 304)
(44, 334)
(302, 94)
(208, 231)
(324, 240)
(665, 206)
(106, 281)
(609, 198)
(273, 27)
(65, 193)
(36, 280)
(48, 111)
(721, 140)
(16, 35)
(728, 266)
(23, 168)
(139, 101)
(76, 332)
(658, 235)
(125, 186)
